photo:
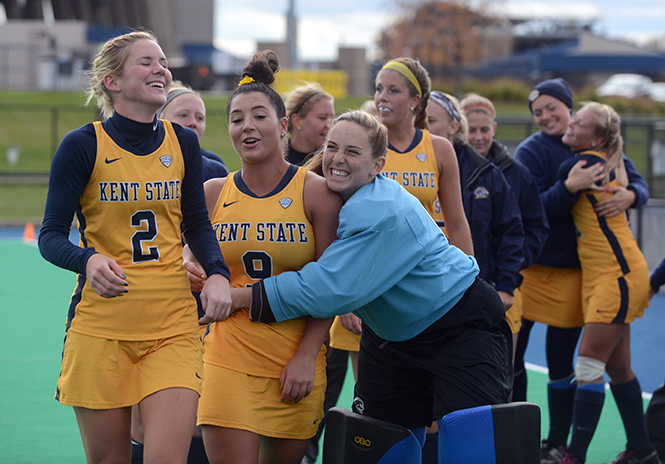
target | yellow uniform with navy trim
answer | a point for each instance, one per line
(614, 272)
(259, 238)
(418, 172)
(145, 241)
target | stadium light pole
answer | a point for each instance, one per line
(292, 34)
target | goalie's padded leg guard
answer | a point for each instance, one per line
(352, 438)
(498, 434)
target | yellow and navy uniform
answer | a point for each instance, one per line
(131, 186)
(145, 241)
(417, 171)
(615, 279)
(259, 238)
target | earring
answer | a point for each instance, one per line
(593, 144)
(451, 133)
(411, 108)
(299, 128)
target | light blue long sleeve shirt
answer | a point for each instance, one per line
(391, 266)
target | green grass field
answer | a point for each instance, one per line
(35, 122)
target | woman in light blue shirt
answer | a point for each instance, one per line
(435, 338)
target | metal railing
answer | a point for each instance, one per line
(42, 127)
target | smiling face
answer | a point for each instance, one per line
(393, 100)
(481, 131)
(141, 88)
(347, 159)
(187, 110)
(551, 114)
(255, 129)
(581, 132)
(311, 130)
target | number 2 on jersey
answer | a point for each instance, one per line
(143, 219)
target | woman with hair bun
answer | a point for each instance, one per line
(264, 384)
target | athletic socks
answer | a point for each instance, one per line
(519, 386)
(628, 397)
(561, 399)
(431, 449)
(589, 399)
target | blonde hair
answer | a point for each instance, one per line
(111, 59)
(369, 106)
(460, 135)
(176, 89)
(474, 102)
(302, 99)
(608, 126)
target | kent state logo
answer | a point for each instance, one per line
(362, 441)
(166, 160)
(421, 157)
(285, 202)
(481, 192)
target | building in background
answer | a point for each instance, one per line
(45, 44)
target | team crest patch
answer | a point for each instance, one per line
(481, 192)
(285, 202)
(421, 157)
(166, 160)
(535, 93)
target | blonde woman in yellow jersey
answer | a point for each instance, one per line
(263, 386)
(615, 291)
(132, 331)
(424, 164)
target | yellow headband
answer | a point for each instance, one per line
(246, 80)
(406, 72)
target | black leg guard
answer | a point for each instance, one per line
(352, 438)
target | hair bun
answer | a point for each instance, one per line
(262, 67)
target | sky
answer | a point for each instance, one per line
(323, 25)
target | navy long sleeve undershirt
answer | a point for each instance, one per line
(72, 166)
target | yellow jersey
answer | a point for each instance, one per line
(145, 241)
(417, 171)
(606, 246)
(259, 238)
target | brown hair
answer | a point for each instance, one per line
(422, 76)
(261, 69)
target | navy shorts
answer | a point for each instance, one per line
(461, 361)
